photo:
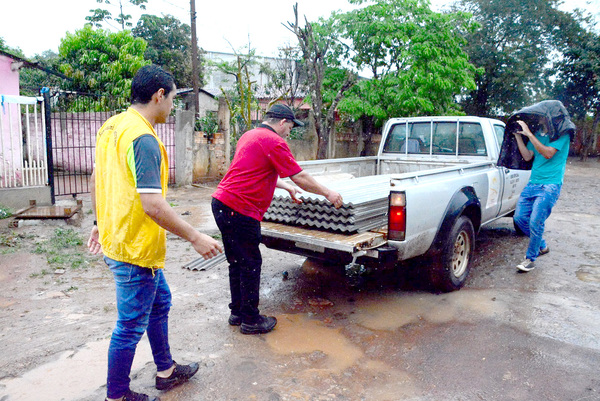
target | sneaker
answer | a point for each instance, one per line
(133, 396)
(526, 265)
(544, 251)
(264, 324)
(180, 374)
(235, 320)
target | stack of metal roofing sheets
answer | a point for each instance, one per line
(365, 206)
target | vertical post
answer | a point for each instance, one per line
(184, 151)
(195, 71)
(224, 118)
(50, 160)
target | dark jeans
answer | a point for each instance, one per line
(143, 304)
(241, 238)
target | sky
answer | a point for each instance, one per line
(222, 25)
(35, 26)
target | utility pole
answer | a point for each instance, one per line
(194, 57)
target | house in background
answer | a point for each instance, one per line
(23, 159)
(217, 80)
(10, 117)
(9, 74)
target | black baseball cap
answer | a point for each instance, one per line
(283, 111)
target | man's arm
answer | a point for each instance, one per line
(94, 240)
(546, 151)
(290, 188)
(157, 208)
(306, 181)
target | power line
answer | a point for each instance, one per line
(175, 5)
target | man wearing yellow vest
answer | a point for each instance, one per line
(129, 186)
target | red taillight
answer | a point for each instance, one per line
(397, 216)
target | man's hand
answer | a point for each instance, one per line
(307, 182)
(293, 192)
(94, 241)
(525, 131)
(335, 198)
(206, 246)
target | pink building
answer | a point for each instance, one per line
(10, 121)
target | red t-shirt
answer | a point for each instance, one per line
(261, 157)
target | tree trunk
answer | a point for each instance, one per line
(594, 138)
(313, 55)
(329, 126)
(366, 134)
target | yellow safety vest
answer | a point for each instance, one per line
(127, 233)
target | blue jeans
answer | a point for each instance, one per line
(534, 207)
(143, 304)
(241, 240)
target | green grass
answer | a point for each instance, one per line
(63, 249)
(5, 212)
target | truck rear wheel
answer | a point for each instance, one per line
(450, 271)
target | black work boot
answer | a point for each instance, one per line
(235, 319)
(259, 325)
(180, 374)
(133, 396)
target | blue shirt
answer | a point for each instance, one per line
(549, 171)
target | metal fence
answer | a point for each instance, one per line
(74, 124)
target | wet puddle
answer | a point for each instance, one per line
(89, 363)
(298, 334)
(396, 311)
(588, 273)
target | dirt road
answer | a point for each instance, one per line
(505, 336)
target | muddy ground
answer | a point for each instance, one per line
(505, 336)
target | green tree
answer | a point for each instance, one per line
(512, 47)
(169, 45)
(415, 57)
(102, 16)
(241, 100)
(317, 44)
(577, 85)
(102, 62)
(32, 79)
(285, 79)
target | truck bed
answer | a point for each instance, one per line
(318, 240)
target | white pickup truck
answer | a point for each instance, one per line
(442, 185)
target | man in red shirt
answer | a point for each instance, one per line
(262, 158)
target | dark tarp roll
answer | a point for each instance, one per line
(559, 124)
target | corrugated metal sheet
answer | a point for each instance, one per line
(202, 264)
(364, 208)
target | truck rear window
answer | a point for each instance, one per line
(437, 138)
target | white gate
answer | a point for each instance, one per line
(23, 158)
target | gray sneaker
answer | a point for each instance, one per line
(526, 265)
(544, 251)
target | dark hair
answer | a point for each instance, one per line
(147, 81)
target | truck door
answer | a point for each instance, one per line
(513, 180)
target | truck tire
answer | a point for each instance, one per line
(450, 269)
